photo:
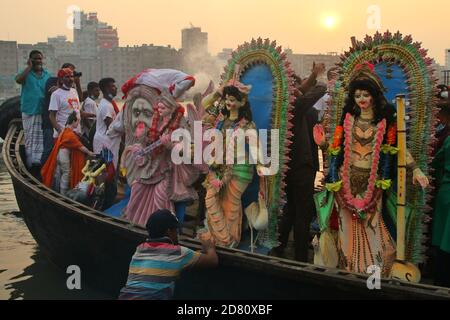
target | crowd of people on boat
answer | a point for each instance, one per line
(63, 127)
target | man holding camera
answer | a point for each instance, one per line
(51, 86)
(33, 79)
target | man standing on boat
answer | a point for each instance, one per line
(33, 80)
(300, 210)
(63, 102)
(106, 113)
(51, 86)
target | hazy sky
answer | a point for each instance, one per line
(305, 26)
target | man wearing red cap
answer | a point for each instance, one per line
(63, 102)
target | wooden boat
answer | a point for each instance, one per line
(69, 233)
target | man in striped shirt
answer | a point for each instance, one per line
(158, 262)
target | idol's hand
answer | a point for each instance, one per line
(263, 171)
(166, 140)
(208, 90)
(319, 135)
(420, 178)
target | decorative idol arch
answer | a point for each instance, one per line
(405, 68)
(263, 64)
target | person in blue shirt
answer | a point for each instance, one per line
(33, 79)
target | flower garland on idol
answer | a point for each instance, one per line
(383, 158)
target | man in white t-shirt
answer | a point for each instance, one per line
(106, 113)
(90, 107)
(63, 102)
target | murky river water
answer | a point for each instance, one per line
(24, 272)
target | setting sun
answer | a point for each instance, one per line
(329, 21)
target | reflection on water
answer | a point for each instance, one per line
(24, 272)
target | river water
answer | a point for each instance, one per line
(24, 272)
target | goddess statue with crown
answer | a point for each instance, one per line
(362, 156)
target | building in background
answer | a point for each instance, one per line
(194, 42)
(61, 45)
(8, 68)
(302, 63)
(447, 59)
(439, 72)
(85, 35)
(225, 54)
(91, 35)
(120, 63)
(196, 58)
(107, 36)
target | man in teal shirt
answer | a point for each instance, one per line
(33, 80)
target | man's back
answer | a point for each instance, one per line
(154, 268)
(304, 150)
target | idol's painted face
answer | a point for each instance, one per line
(233, 103)
(363, 99)
(141, 118)
(163, 110)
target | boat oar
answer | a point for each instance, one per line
(402, 270)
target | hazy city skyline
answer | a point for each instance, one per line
(304, 26)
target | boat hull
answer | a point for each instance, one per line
(69, 233)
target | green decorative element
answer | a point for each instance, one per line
(387, 149)
(334, 187)
(362, 215)
(266, 52)
(391, 206)
(384, 184)
(399, 50)
(244, 172)
(334, 151)
(324, 202)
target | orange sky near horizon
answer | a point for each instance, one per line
(297, 24)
